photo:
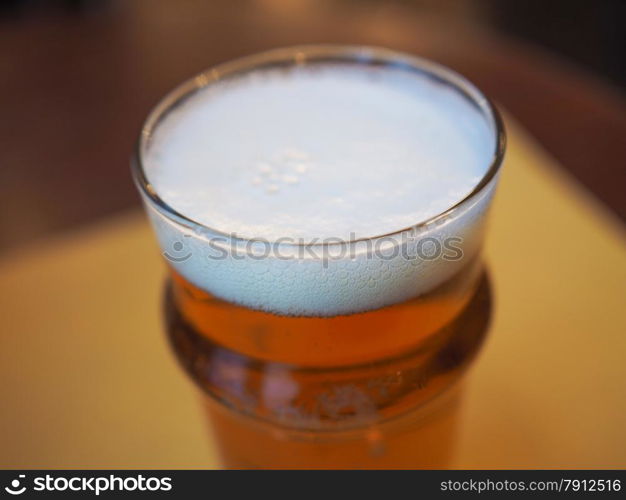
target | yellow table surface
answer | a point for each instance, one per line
(87, 378)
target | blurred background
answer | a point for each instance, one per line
(78, 77)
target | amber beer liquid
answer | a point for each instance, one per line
(321, 211)
(284, 392)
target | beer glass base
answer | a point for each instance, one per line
(423, 439)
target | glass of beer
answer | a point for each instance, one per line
(321, 211)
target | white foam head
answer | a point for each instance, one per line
(317, 153)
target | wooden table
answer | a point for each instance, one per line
(87, 379)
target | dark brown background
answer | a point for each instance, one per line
(79, 77)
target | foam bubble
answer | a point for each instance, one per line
(313, 153)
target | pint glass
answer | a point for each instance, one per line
(315, 346)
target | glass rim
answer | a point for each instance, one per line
(317, 53)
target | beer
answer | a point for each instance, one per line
(321, 211)
(284, 392)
